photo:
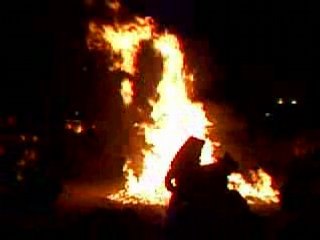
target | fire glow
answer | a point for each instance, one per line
(174, 116)
(259, 191)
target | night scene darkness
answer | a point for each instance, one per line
(163, 119)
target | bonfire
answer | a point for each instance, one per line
(172, 116)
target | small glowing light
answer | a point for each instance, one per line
(35, 138)
(78, 129)
(113, 4)
(267, 114)
(23, 137)
(173, 182)
(21, 163)
(280, 101)
(19, 177)
(294, 102)
(68, 126)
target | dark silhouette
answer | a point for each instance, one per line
(184, 164)
(301, 196)
(201, 204)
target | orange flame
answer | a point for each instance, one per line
(258, 192)
(175, 117)
(123, 41)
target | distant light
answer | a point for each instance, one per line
(68, 126)
(22, 163)
(280, 101)
(19, 177)
(78, 129)
(23, 137)
(294, 102)
(35, 138)
(113, 4)
(267, 114)
(76, 113)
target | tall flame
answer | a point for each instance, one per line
(174, 116)
(124, 41)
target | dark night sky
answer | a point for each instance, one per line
(257, 43)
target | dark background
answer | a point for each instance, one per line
(257, 51)
(266, 49)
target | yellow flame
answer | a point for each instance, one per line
(126, 91)
(124, 41)
(175, 117)
(258, 192)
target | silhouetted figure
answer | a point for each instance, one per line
(184, 164)
(217, 208)
(179, 181)
(201, 206)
